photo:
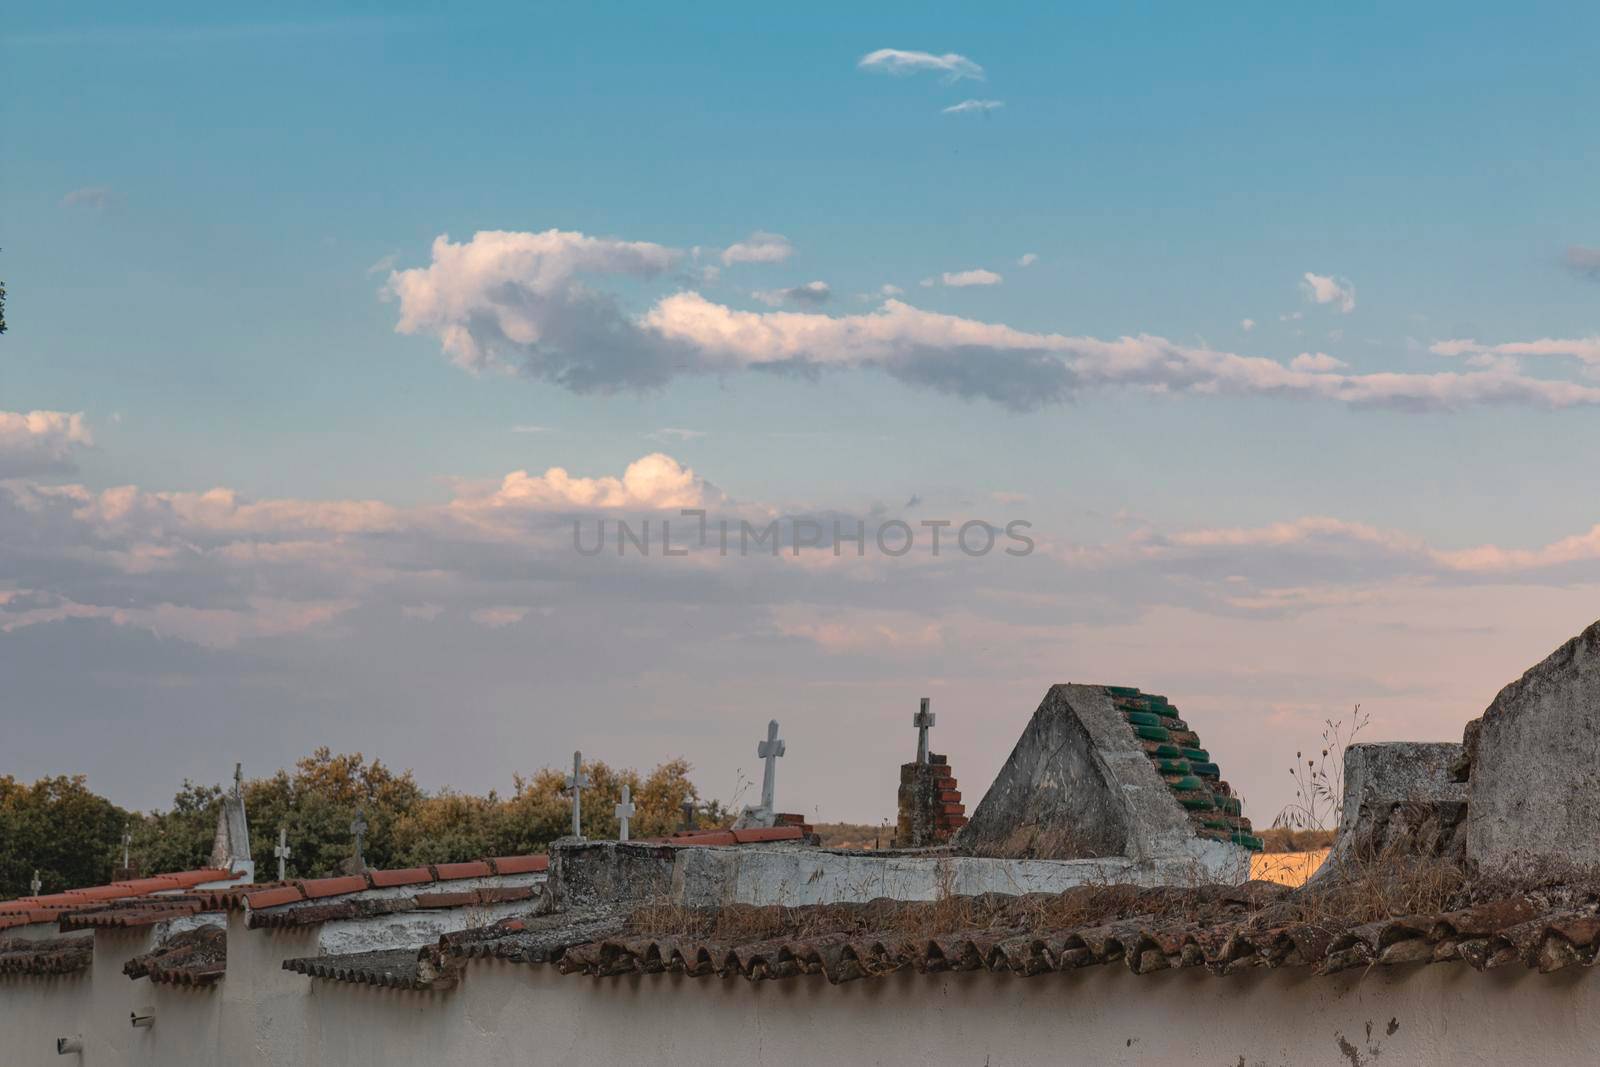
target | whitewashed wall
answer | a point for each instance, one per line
(510, 1014)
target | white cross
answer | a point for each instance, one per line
(282, 851)
(769, 750)
(625, 812)
(358, 827)
(35, 885)
(577, 781)
(127, 839)
(922, 720)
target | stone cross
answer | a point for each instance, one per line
(923, 720)
(238, 780)
(769, 750)
(282, 851)
(625, 812)
(127, 839)
(358, 828)
(35, 885)
(688, 815)
(577, 781)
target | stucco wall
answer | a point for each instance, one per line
(506, 1013)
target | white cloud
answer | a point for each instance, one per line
(982, 107)
(891, 290)
(1585, 350)
(1027, 259)
(651, 482)
(97, 197)
(384, 265)
(759, 247)
(676, 433)
(810, 294)
(40, 442)
(1318, 363)
(1247, 325)
(516, 304)
(1324, 289)
(952, 66)
(963, 278)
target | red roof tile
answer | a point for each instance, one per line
(403, 876)
(317, 888)
(520, 864)
(271, 898)
(450, 871)
(705, 837)
(774, 833)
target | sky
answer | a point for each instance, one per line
(1263, 343)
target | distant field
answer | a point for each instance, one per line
(854, 834)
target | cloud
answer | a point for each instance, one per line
(1322, 289)
(1247, 325)
(514, 302)
(385, 264)
(41, 442)
(952, 66)
(810, 294)
(759, 247)
(1585, 350)
(961, 279)
(530, 428)
(1027, 259)
(651, 482)
(500, 615)
(1583, 261)
(891, 290)
(97, 197)
(676, 433)
(982, 107)
(1319, 363)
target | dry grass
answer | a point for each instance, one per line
(1289, 839)
(857, 835)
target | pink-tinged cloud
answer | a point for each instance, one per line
(517, 302)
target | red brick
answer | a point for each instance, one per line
(944, 783)
(520, 864)
(403, 876)
(447, 872)
(953, 809)
(271, 898)
(954, 822)
(950, 796)
(317, 888)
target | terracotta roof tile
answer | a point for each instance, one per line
(45, 956)
(520, 864)
(141, 912)
(271, 898)
(447, 872)
(774, 833)
(197, 957)
(403, 876)
(317, 888)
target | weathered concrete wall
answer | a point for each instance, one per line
(509, 1014)
(1059, 778)
(1533, 798)
(793, 876)
(1399, 795)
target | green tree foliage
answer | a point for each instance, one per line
(60, 828)
(316, 802)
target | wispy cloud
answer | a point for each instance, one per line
(963, 279)
(811, 294)
(1585, 350)
(952, 66)
(1027, 259)
(759, 247)
(97, 197)
(981, 107)
(1583, 261)
(384, 265)
(1323, 289)
(1247, 325)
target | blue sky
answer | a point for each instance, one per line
(201, 222)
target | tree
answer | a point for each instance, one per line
(59, 828)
